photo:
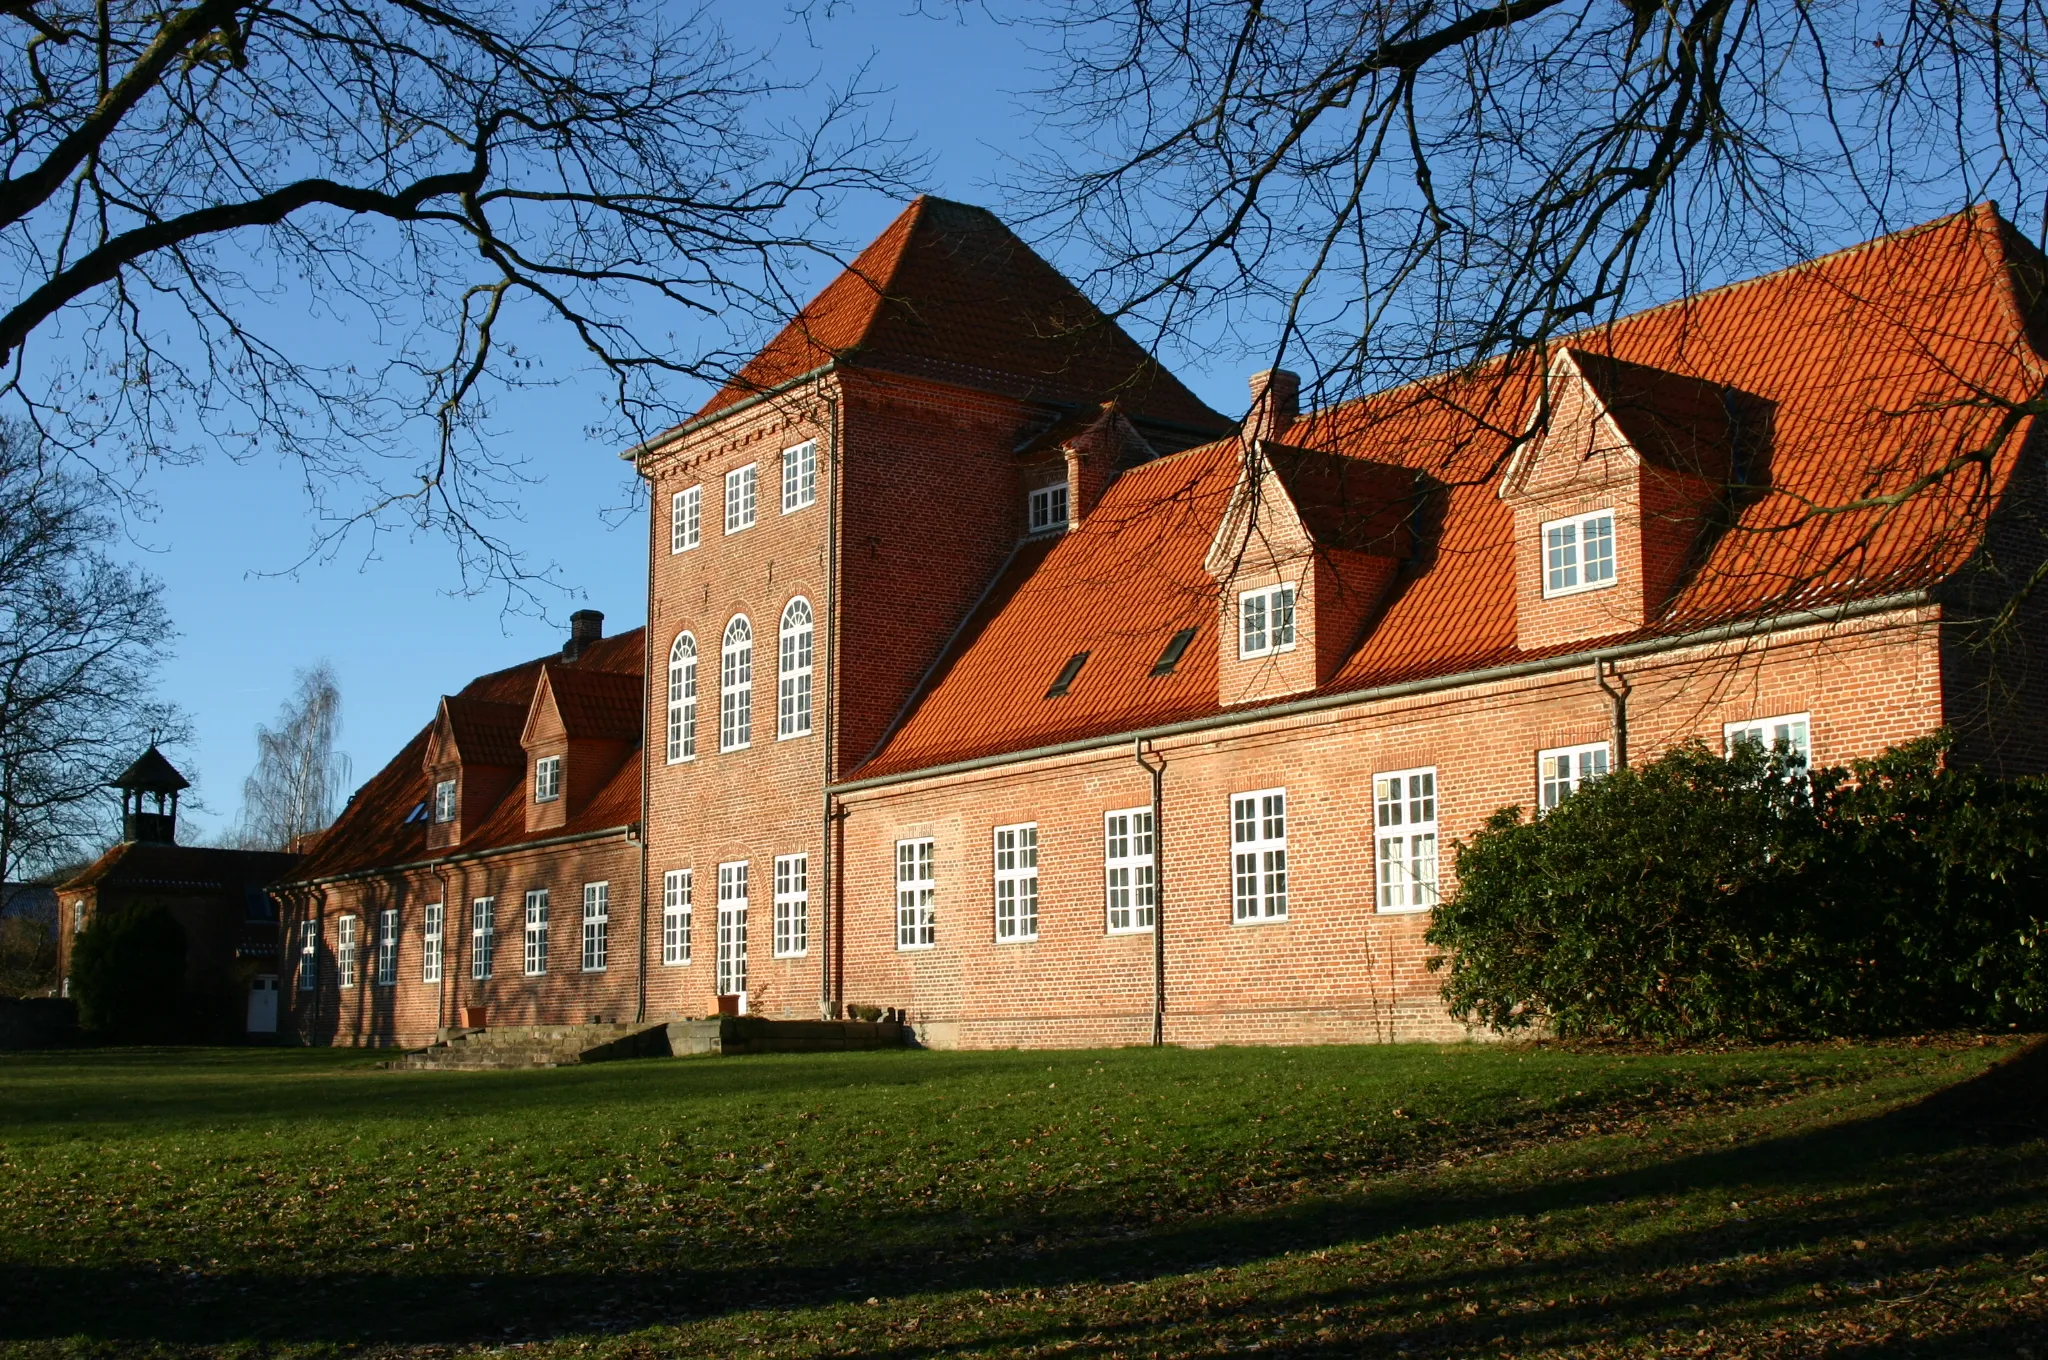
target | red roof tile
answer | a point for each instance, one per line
(1868, 360)
(597, 705)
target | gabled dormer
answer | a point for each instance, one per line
(473, 756)
(579, 728)
(1065, 468)
(1613, 496)
(1306, 550)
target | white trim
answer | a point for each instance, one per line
(682, 699)
(1562, 771)
(1016, 883)
(792, 885)
(597, 920)
(917, 894)
(483, 937)
(742, 487)
(386, 974)
(1266, 622)
(794, 668)
(736, 686)
(799, 476)
(1129, 872)
(732, 928)
(1405, 840)
(309, 955)
(534, 957)
(444, 800)
(433, 926)
(1567, 556)
(686, 519)
(676, 893)
(1258, 857)
(547, 779)
(345, 952)
(1794, 729)
(1047, 509)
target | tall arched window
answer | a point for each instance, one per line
(736, 685)
(793, 695)
(682, 699)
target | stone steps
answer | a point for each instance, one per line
(514, 1047)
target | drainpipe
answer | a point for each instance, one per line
(646, 748)
(1604, 669)
(1158, 774)
(828, 1003)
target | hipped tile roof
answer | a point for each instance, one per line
(596, 705)
(1869, 364)
(376, 830)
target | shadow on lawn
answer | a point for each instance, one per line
(1922, 1173)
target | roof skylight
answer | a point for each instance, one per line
(1176, 648)
(1065, 679)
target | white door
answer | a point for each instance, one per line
(263, 1005)
(732, 948)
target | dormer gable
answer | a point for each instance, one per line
(473, 756)
(579, 728)
(1306, 549)
(1615, 494)
(1066, 467)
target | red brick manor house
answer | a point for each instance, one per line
(990, 675)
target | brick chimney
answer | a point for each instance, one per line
(1276, 401)
(585, 627)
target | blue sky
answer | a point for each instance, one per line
(389, 621)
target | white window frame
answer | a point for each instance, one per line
(682, 698)
(1586, 762)
(736, 686)
(794, 670)
(917, 894)
(1046, 508)
(1276, 629)
(1405, 839)
(792, 906)
(800, 476)
(483, 937)
(345, 953)
(431, 938)
(309, 955)
(547, 779)
(535, 955)
(1767, 731)
(1016, 882)
(686, 519)
(742, 486)
(732, 928)
(676, 892)
(1258, 856)
(387, 947)
(1130, 875)
(444, 800)
(597, 923)
(1562, 545)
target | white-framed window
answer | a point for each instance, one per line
(686, 519)
(793, 688)
(309, 955)
(917, 895)
(547, 779)
(430, 941)
(1404, 817)
(345, 952)
(1017, 882)
(536, 932)
(1578, 553)
(732, 928)
(1265, 621)
(1562, 771)
(1789, 732)
(597, 920)
(682, 699)
(736, 686)
(387, 947)
(1130, 885)
(444, 801)
(675, 917)
(800, 476)
(1047, 508)
(792, 906)
(1258, 855)
(483, 936)
(739, 499)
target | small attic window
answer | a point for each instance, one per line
(1048, 508)
(444, 801)
(1065, 679)
(1176, 648)
(418, 813)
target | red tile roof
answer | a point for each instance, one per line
(378, 829)
(949, 292)
(597, 705)
(1867, 360)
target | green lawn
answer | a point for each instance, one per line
(1828, 1200)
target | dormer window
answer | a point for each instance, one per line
(547, 779)
(1048, 508)
(444, 801)
(1265, 621)
(1578, 554)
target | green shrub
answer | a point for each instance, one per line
(1699, 897)
(128, 975)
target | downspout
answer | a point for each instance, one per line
(1603, 669)
(1158, 773)
(828, 1004)
(646, 751)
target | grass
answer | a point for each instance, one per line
(1828, 1200)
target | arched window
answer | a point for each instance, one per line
(736, 685)
(682, 699)
(793, 695)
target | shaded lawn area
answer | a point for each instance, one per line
(1828, 1200)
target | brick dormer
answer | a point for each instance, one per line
(587, 722)
(1614, 497)
(1306, 551)
(1082, 452)
(475, 749)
